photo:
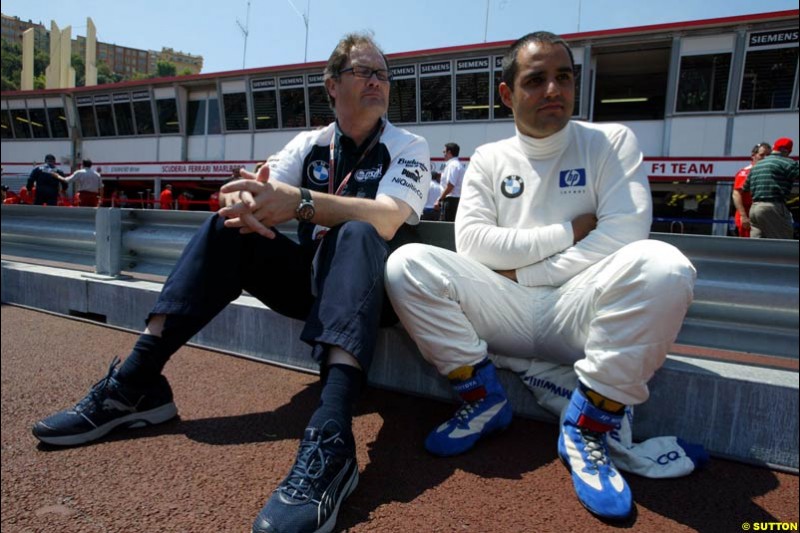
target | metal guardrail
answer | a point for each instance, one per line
(112, 241)
(746, 296)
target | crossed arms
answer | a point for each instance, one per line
(551, 254)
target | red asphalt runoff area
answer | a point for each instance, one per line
(211, 469)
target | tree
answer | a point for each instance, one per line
(80, 70)
(11, 65)
(165, 69)
(40, 61)
(8, 84)
(11, 70)
(105, 74)
(186, 72)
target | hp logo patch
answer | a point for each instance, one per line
(575, 177)
(318, 172)
(512, 186)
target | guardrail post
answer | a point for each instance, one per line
(108, 241)
(722, 208)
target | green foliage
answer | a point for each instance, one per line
(80, 70)
(11, 56)
(8, 84)
(105, 75)
(40, 61)
(12, 69)
(165, 69)
(11, 65)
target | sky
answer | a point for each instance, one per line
(276, 29)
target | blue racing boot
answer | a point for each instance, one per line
(485, 410)
(583, 448)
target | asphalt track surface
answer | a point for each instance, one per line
(211, 469)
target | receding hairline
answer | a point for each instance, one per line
(367, 47)
(544, 44)
(511, 57)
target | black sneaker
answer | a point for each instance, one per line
(308, 500)
(108, 405)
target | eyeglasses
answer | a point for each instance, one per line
(367, 72)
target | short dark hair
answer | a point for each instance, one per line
(341, 54)
(510, 65)
(755, 149)
(453, 148)
(87, 163)
(49, 157)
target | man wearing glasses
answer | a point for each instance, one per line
(352, 186)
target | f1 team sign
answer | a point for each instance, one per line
(674, 169)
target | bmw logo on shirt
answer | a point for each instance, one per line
(512, 186)
(318, 172)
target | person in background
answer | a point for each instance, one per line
(64, 200)
(742, 200)
(183, 201)
(452, 176)
(48, 180)
(770, 182)
(553, 262)
(431, 211)
(213, 202)
(165, 199)
(26, 197)
(12, 198)
(88, 185)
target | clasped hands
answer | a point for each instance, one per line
(254, 203)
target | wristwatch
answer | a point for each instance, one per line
(305, 211)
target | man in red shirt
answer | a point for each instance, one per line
(166, 197)
(24, 196)
(213, 202)
(184, 200)
(742, 200)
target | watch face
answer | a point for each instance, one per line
(305, 212)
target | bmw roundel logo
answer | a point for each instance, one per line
(512, 186)
(318, 172)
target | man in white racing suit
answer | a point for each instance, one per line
(552, 263)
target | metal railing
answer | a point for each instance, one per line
(746, 296)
